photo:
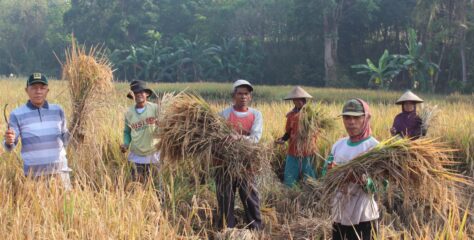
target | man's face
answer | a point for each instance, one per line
(140, 97)
(409, 106)
(37, 93)
(353, 124)
(299, 102)
(242, 97)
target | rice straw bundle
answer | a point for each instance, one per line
(428, 115)
(313, 120)
(416, 169)
(189, 129)
(89, 75)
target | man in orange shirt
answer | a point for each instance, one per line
(248, 124)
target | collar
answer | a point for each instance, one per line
(33, 107)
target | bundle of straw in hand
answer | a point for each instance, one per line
(89, 75)
(313, 121)
(428, 115)
(191, 131)
(418, 169)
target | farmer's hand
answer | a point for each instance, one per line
(331, 165)
(9, 137)
(123, 148)
(279, 141)
(393, 131)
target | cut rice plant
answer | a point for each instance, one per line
(89, 76)
(418, 170)
(428, 115)
(314, 121)
(191, 132)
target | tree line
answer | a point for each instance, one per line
(421, 44)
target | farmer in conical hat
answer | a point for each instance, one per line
(297, 163)
(248, 124)
(354, 210)
(408, 123)
(41, 129)
(140, 125)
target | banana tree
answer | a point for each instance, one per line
(380, 76)
(420, 69)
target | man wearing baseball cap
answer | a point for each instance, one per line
(354, 210)
(41, 128)
(248, 124)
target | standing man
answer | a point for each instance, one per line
(42, 129)
(140, 125)
(248, 124)
(354, 209)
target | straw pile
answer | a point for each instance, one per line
(191, 132)
(313, 121)
(89, 75)
(419, 170)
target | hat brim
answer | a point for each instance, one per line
(354, 114)
(291, 98)
(147, 90)
(244, 85)
(415, 101)
(37, 81)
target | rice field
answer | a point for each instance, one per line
(105, 204)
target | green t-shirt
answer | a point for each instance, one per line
(140, 128)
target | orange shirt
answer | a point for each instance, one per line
(291, 128)
(242, 125)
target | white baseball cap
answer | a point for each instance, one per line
(241, 82)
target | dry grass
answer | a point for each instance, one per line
(105, 204)
(89, 75)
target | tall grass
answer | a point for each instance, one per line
(106, 204)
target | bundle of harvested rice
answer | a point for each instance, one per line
(190, 129)
(314, 119)
(418, 170)
(89, 75)
(428, 115)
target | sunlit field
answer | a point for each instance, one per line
(106, 204)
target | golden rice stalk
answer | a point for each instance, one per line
(303, 228)
(428, 115)
(191, 132)
(419, 170)
(314, 119)
(89, 76)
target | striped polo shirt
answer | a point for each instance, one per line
(43, 135)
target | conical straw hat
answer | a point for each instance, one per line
(408, 96)
(297, 92)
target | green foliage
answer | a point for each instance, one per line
(380, 76)
(420, 70)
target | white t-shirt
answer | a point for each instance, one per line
(354, 206)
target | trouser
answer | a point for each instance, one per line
(143, 172)
(363, 230)
(297, 167)
(62, 177)
(225, 190)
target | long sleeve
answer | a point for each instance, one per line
(127, 134)
(257, 128)
(65, 136)
(15, 126)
